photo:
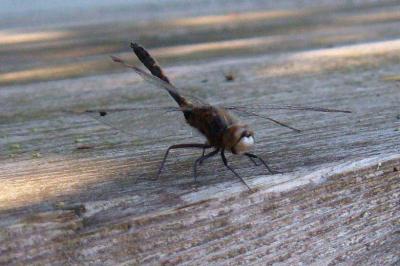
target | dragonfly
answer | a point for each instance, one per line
(223, 131)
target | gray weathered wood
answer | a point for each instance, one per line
(77, 191)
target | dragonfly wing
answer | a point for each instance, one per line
(105, 111)
(98, 114)
(147, 77)
(253, 107)
(157, 82)
(250, 113)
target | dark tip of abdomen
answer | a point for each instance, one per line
(134, 45)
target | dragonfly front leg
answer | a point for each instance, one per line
(200, 161)
(254, 161)
(253, 156)
(232, 170)
(180, 146)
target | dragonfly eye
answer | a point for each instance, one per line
(246, 134)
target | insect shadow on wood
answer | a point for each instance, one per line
(222, 131)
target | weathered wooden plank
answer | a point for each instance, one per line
(102, 204)
(76, 191)
(321, 222)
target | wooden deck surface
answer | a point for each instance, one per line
(77, 191)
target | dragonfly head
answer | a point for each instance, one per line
(239, 139)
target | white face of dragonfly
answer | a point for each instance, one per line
(247, 141)
(244, 145)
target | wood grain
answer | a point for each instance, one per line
(76, 191)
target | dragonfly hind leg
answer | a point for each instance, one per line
(253, 157)
(180, 146)
(200, 161)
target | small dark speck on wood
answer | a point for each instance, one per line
(229, 77)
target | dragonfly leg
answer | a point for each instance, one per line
(232, 170)
(200, 161)
(180, 146)
(204, 152)
(253, 156)
(253, 160)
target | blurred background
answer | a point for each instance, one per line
(43, 39)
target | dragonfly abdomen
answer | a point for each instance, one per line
(151, 64)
